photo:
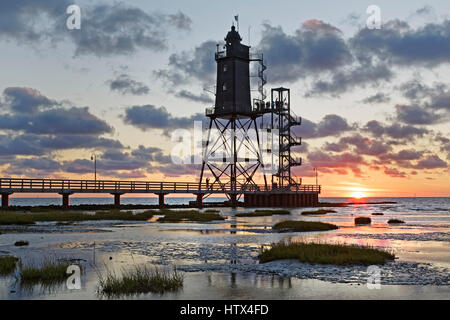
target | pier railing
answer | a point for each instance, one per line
(13, 185)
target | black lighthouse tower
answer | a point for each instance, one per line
(233, 78)
(233, 155)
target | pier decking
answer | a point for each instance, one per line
(254, 195)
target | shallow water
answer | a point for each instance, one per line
(219, 260)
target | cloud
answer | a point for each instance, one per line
(415, 90)
(330, 125)
(26, 100)
(74, 120)
(338, 162)
(315, 47)
(150, 117)
(339, 82)
(203, 98)
(180, 20)
(31, 144)
(398, 44)
(395, 131)
(431, 162)
(362, 145)
(441, 101)
(403, 155)
(377, 98)
(125, 85)
(416, 115)
(394, 172)
(106, 30)
(19, 19)
(198, 64)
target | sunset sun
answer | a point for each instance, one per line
(358, 195)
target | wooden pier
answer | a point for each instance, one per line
(254, 195)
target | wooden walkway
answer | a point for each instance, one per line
(67, 187)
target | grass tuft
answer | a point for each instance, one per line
(362, 220)
(320, 211)
(320, 253)
(394, 221)
(303, 226)
(7, 265)
(262, 213)
(188, 215)
(139, 280)
(47, 272)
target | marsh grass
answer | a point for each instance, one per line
(321, 253)
(263, 213)
(318, 212)
(211, 211)
(303, 226)
(188, 215)
(395, 221)
(7, 265)
(362, 220)
(12, 218)
(49, 271)
(140, 279)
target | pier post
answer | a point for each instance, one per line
(200, 200)
(117, 199)
(65, 199)
(233, 200)
(161, 199)
(5, 199)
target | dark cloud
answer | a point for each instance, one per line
(415, 90)
(377, 98)
(398, 44)
(359, 76)
(19, 145)
(431, 162)
(330, 125)
(315, 47)
(19, 19)
(56, 121)
(30, 144)
(416, 115)
(395, 173)
(151, 154)
(403, 155)
(150, 117)
(361, 145)
(198, 64)
(202, 98)
(395, 131)
(125, 85)
(106, 30)
(441, 101)
(31, 112)
(26, 100)
(180, 21)
(340, 161)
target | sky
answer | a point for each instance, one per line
(375, 103)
